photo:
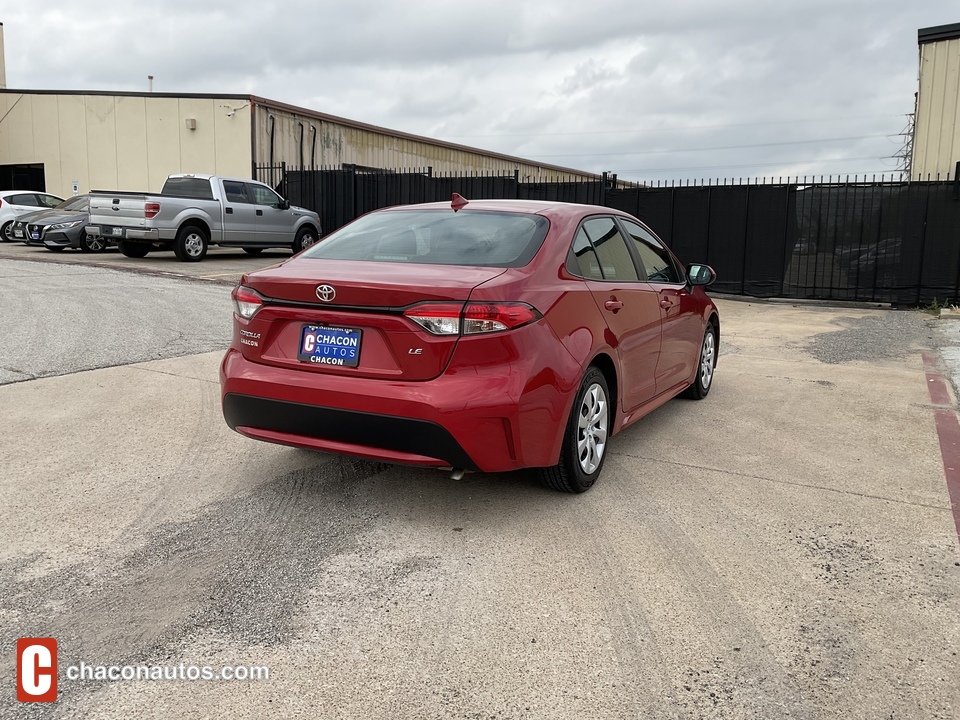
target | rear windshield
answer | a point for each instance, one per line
(438, 237)
(197, 188)
(78, 204)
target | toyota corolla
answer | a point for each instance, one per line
(486, 335)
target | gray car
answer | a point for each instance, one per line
(61, 227)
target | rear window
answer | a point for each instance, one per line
(197, 188)
(78, 204)
(438, 237)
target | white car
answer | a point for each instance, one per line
(14, 203)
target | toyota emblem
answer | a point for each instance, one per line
(326, 292)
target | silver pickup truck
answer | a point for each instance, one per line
(193, 212)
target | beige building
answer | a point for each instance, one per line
(69, 142)
(936, 135)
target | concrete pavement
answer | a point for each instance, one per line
(783, 548)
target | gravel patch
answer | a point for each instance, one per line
(884, 335)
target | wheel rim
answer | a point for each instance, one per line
(95, 243)
(592, 429)
(707, 358)
(307, 240)
(193, 244)
(8, 232)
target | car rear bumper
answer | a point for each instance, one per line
(110, 232)
(459, 419)
(372, 435)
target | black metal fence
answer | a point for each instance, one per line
(876, 241)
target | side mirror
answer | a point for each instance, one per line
(283, 205)
(702, 275)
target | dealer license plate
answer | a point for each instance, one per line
(34, 235)
(116, 232)
(325, 345)
(18, 232)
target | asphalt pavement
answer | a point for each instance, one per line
(784, 548)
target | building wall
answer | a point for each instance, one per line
(339, 143)
(123, 142)
(936, 140)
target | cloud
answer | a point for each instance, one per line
(588, 85)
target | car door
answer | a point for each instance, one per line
(23, 203)
(239, 214)
(682, 326)
(628, 305)
(275, 224)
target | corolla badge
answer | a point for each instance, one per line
(326, 292)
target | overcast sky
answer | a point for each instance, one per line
(648, 89)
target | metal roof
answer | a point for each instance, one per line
(307, 113)
(939, 32)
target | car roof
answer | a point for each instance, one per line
(207, 176)
(5, 193)
(538, 207)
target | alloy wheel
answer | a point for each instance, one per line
(592, 429)
(193, 245)
(707, 359)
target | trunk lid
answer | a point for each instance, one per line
(363, 296)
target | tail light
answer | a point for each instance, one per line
(246, 302)
(150, 210)
(473, 318)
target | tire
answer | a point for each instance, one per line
(5, 232)
(133, 250)
(191, 244)
(92, 243)
(306, 237)
(706, 366)
(253, 251)
(585, 438)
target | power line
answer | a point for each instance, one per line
(753, 165)
(709, 149)
(673, 128)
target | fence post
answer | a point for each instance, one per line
(785, 245)
(706, 250)
(746, 239)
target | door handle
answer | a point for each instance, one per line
(228, 211)
(259, 212)
(667, 303)
(613, 304)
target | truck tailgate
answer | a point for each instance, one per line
(125, 210)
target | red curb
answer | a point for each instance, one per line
(948, 429)
(939, 395)
(948, 432)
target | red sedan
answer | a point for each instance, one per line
(486, 335)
